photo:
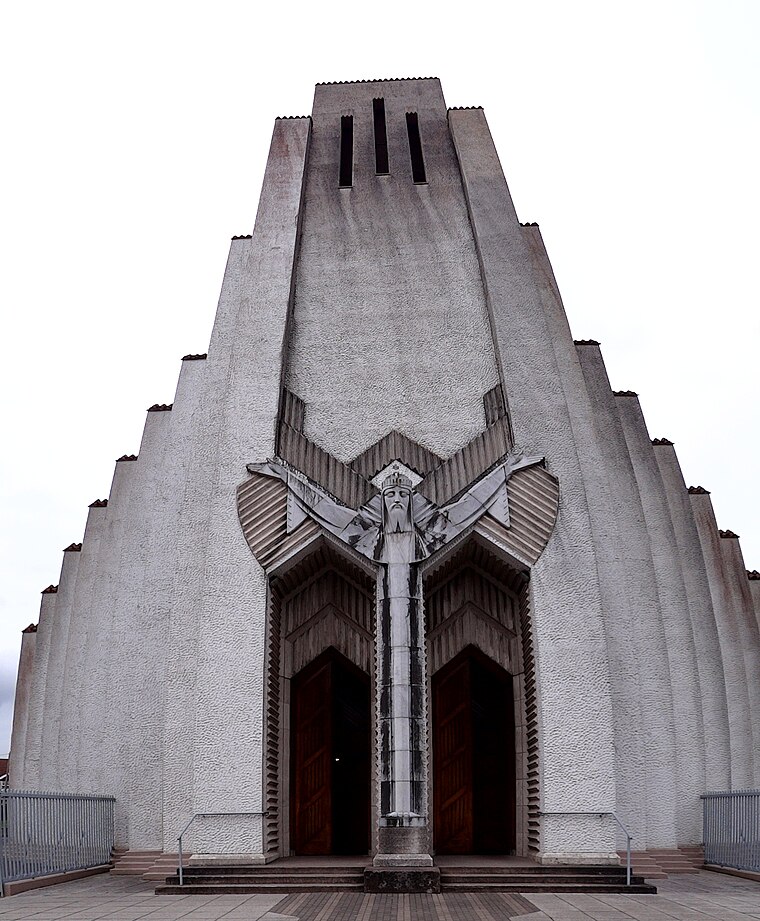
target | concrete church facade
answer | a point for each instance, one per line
(397, 572)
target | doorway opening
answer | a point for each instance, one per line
(330, 758)
(474, 788)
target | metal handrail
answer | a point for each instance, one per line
(204, 815)
(628, 835)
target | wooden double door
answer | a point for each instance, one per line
(473, 757)
(330, 758)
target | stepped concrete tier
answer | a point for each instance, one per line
(396, 574)
(497, 876)
(153, 865)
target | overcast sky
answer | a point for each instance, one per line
(134, 142)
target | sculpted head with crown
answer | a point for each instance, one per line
(397, 504)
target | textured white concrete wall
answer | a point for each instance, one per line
(59, 633)
(59, 629)
(547, 399)
(736, 582)
(731, 644)
(160, 565)
(21, 708)
(198, 424)
(76, 677)
(227, 749)
(96, 769)
(389, 306)
(30, 776)
(680, 681)
(644, 731)
(132, 734)
(704, 628)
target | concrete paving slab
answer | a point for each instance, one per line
(699, 897)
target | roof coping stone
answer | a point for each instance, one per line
(376, 80)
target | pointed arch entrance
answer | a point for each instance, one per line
(319, 706)
(483, 732)
(330, 757)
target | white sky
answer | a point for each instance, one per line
(134, 142)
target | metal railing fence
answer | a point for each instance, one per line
(44, 833)
(731, 829)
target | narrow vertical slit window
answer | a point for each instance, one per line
(381, 137)
(346, 151)
(415, 147)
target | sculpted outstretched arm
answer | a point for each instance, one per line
(307, 500)
(488, 494)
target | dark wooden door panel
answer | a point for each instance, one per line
(452, 791)
(473, 757)
(493, 762)
(351, 760)
(312, 747)
(330, 781)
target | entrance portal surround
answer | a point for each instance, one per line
(298, 532)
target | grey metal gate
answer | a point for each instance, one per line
(44, 833)
(732, 829)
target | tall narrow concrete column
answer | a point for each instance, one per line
(35, 717)
(402, 689)
(731, 641)
(21, 706)
(705, 631)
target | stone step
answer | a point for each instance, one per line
(238, 880)
(671, 860)
(452, 878)
(578, 877)
(272, 870)
(266, 879)
(150, 865)
(248, 887)
(546, 886)
(695, 856)
(537, 870)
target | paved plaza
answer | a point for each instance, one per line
(702, 897)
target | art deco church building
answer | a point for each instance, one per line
(397, 573)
